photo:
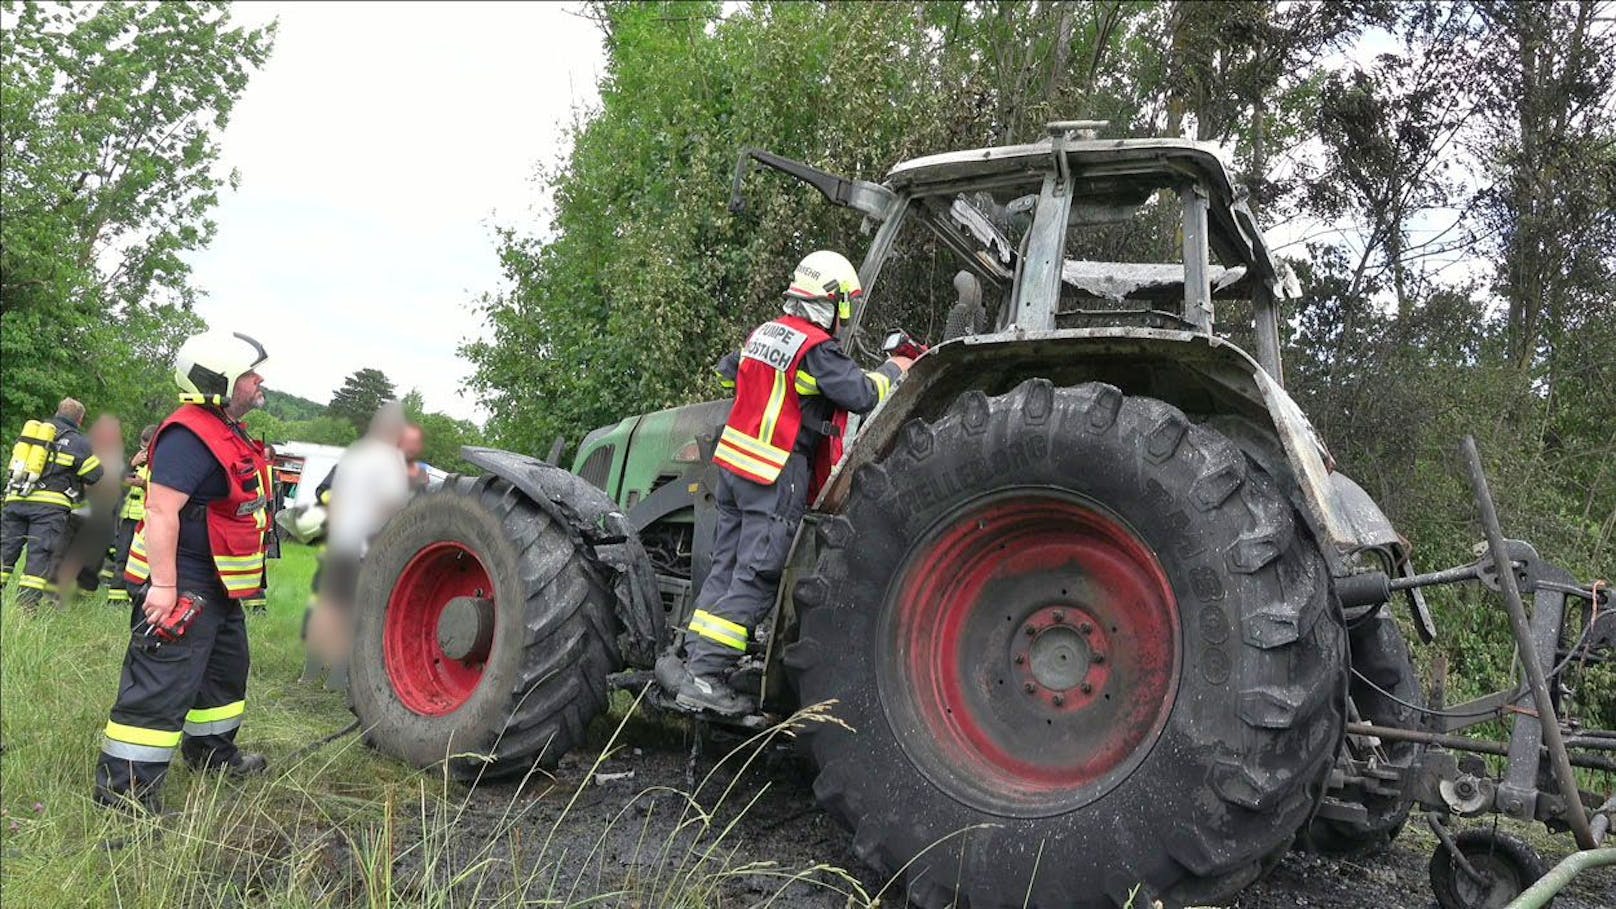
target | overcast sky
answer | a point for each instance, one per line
(376, 149)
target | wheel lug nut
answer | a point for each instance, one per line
(1028, 687)
(1030, 631)
(1086, 688)
(1059, 617)
(1020, 659)
(1098, 657)
(1086, 628)
(1059, 700)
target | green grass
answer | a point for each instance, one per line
(341, 826)
(59, 673)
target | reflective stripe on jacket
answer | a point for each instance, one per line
(236, 523)
(762, 426)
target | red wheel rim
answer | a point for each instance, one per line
(1037, 652)
(427, 680)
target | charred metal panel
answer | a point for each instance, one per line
(1118, 171)
(1200, 374)
(1197, 288)
(1036, 297)
(1363, 518)
(1307, 456)
(1152, 281)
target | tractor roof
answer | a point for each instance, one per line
(1115, 173)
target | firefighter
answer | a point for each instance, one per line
(200, 544)
(793, 390)
(55, 465)
(131, 514)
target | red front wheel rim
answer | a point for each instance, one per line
(1035, 652)
(426, 679)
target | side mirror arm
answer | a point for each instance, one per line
(871, 199)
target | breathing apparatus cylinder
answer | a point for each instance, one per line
(31, 455)
(17, 469)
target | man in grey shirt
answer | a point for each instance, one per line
(371, 483)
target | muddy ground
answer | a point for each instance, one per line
(783, 825)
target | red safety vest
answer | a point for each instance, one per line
(767, 414)
(237, 522)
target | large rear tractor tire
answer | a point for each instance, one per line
(483, 635)
(1386, 691)
(1084, 650)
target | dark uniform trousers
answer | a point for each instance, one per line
(756, 524)
(188, 695)
(43, 529)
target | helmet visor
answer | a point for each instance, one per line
(261, 356)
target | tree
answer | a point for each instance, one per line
(441, 435)
(1486, 138)
(1548, 77)
(360, 395)
(109, 130)
(321, 430)
(1245, 70)
(288, 406)
(1389, 132)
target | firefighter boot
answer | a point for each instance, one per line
(245, 764)
(715, 695)
(242, 764)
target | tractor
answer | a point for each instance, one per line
(1086, 592)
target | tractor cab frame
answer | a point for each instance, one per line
(1074, 320)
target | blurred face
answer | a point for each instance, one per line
(411, 442)
(106, 434)
(247, 395)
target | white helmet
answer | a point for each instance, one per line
(208, 365)
(303, 523)
(824, 286)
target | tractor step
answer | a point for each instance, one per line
(631, 680)
(637, 680)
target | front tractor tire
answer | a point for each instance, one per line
(483, 635)
(1082, 646)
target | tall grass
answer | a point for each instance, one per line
(338, 826)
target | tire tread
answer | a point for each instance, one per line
(1289, 687)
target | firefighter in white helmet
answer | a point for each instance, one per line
(197, 554)
(793, 390)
